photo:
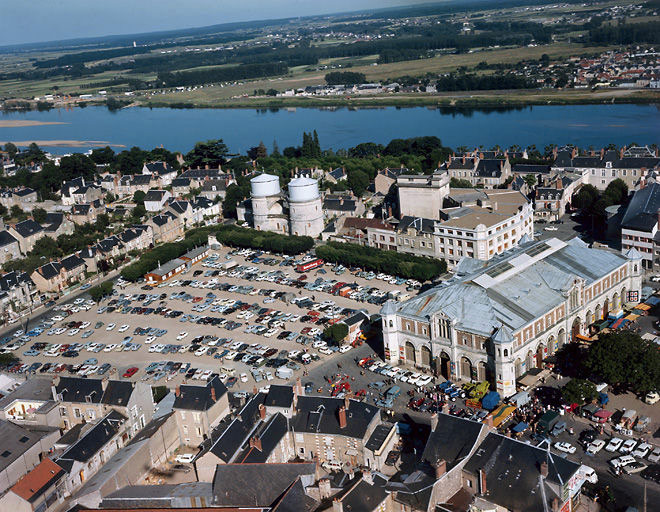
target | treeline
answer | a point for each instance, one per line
(378, 260)
(626, 33)
(204, 76)
(345, 78)
(233, 236)
(472, 82)
(90, 56)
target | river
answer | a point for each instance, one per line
(582, 125)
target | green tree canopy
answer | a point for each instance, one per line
(336, 333)
(138, 197)
(579, 391)
(211, 152)
(39, 215)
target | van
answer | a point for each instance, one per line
(306, 359)
(589, 474)
(393, 392)
(559, 427)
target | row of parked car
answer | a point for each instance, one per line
(396, 372)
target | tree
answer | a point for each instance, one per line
(17, 212)
(276, 149)
(358, 181)
(625, 359)
(345, 78)
(11, 149)
(102, 290)
(459, 183)
(579, 391)
(8, 358)
(110, 198)
(585, 197)
(211, 152)
(46, 247)
(138, 197)
(39, 215)
(138, 212)
(530, 179)
(3, 211)
(336, 333)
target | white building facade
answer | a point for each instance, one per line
(498, 321)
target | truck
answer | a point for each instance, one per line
(548, 421)
(227, 265)
(310, 265)
(284, 373)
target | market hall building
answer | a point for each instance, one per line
(496, 320)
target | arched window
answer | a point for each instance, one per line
(506, 352)
(391, 323)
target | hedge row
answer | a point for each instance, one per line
(234, 236)
(378, 260)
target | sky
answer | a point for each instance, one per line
(28, 21)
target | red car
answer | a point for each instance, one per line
(130, 372)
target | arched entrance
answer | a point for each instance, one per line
(425, 358)
(606, 308)
(624, 297)
(589, 319)
(466, 368)
(616, 301)
(445, 365)
(575, 329)
(518, 365)
(482, 371)
(529, 361)
(540, 355)
(561, 338)
(410, 353)
(552, 345)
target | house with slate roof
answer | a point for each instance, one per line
(600, 169)
(166, 227)
(85, 400)
(17, 291)
(84, 213)
(199, 409)
(9, 247)
(98, 442)
(503, 317)
(165, 172)
(26, 233)
(57, 224)
(21, 450)
(335, 175)
(154, 200)
(55, 276)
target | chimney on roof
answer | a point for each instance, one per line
(254, 390)
(481, 156)
(621, 151)
(445, 408)
(559, 185)
(554, 152)
(337, 505)
(489, 421)
(298, 390)
(178, 391)
(463, 158)
(317, 468)
(544, 469)
(434, 421)
(501, 164)
(213, 397)
(262, 411)
(325, 490)
(104, 383)
(255, 442)
(342, 417)
(556, 504)
(574, 153)
(206, 166)
(482, 482)
(347, 403)
(368, 476)
(440, 468)
(602, 153)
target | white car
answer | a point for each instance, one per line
(293, 354)
(110, 347)
(110, 327)
(186, 458)
(201, 351)
(73, 332)
(551, 228)
(182, 335)
(345, 348)
(123, 328)
(325, 351)
(565, 447)
(85, 325)
(628, 446)
(244, 377)
(642, 450)
(150, 339)
(614, 444)
(595, 446)
(426, 379)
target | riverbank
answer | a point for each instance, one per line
(472, 99)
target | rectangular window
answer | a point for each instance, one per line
(76, 412)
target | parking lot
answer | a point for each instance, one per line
(242, 323)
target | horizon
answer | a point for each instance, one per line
(44, 21)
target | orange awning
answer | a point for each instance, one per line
(583, 337)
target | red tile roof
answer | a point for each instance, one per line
(32, 485)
